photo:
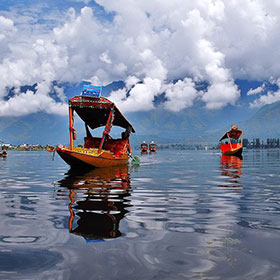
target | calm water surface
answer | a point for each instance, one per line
(179, 215)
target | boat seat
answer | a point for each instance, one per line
(91, 142)
(116, 146)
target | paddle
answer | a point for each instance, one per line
(134, 160)
(53, 154)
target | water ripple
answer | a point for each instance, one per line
(179, 215)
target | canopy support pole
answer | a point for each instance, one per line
(71, 127)
(107, 128)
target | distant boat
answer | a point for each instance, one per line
(144, 147)
(153, 147)
(50, 148)
(232, 142)
(3, 153)
(97, 111)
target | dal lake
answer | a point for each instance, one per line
(178, 215)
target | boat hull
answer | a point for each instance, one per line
(232, 152)
(79, 157)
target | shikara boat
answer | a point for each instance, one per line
(153, 147)
(231, 143)
(144, 147)
(97, 111)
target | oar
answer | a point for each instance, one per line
(53, 154)
(135, 160)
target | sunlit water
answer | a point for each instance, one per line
(179, 215)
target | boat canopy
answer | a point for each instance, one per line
(233, 133)
(94, 111)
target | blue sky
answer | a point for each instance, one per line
(147, 44)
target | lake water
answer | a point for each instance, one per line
(179, 215)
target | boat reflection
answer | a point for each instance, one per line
(231, 167)
(98, 201)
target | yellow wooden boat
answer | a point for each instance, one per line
(97, 111)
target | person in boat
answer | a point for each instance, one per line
(125, 136)
(234, 133)
(107, 137)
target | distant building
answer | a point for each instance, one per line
(246, 142)
(6, 146)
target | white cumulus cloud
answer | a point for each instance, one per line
(268, 98)
(180, 95)
(140, 97)
(155, 47)
(257, 90)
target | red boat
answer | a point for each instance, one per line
(97, 111)
(232, 142)
(153, 147)
(144, 147)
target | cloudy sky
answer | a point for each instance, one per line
(153, 46)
